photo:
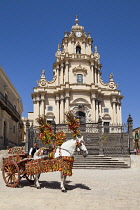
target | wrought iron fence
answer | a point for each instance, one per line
(100, 139)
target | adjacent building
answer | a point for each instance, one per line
(136, 138)
(10, 113)
(77, 84)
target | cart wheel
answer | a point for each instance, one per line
(30, 178)
(11, 174)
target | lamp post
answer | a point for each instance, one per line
(100, 136)
(130, 134)
(27, 137)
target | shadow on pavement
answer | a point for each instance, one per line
(55, 185)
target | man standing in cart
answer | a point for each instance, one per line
(33, 150)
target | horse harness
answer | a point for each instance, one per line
(78, 146)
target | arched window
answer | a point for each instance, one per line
(80, 78)
(78, 50)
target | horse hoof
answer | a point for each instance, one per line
(39, 187)
(64, 190)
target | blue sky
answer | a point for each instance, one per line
(30, 31)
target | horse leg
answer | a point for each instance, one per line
(63, 179)
(36, 181)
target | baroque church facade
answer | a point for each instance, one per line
(77, 84)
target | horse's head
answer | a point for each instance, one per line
(80, 146)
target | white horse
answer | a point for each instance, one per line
(67, 149)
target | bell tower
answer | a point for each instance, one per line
(77, 42)
(75, 58)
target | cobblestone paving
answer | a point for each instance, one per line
(106, 189)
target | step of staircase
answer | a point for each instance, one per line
(97, 161)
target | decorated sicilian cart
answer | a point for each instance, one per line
(13, 168)
(56, 156)
(17, 166)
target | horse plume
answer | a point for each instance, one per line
(73, 123)
(47, 135)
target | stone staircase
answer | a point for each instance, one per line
(97, 161)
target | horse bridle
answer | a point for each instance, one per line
(78, 145)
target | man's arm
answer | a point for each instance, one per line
(30, 152)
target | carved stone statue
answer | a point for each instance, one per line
(111, 77)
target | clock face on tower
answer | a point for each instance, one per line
(78, 34)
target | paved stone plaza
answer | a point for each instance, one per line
(94, 189)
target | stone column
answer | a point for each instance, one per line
(42, 105)
(72, 42)
(61, 108)
(57, 110)
(118, 113)
(97, 111)
(95, 75)
(117, 117)
(92, 73)
(98, 75)
(57, 74)
(61, 74)
(100, 107)
(67, 72)
(36, 102)
(93, 107)
(113, 112)
(67, 102)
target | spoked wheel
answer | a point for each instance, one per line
(11, 174)
(30, 178)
